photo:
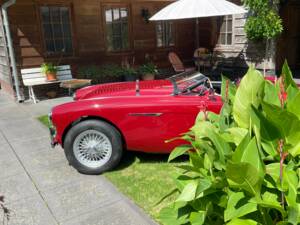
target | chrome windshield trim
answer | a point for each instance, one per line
(145, 114)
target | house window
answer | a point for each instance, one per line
(117, 29)
(165, 34)
(57, 29)
(225, 25)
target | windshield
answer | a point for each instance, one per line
(187, 81)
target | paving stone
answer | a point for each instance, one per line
(9, 164)
(17, 187)
(29, 211)
(36, 144)
(22, 129)
(73, 200)
(4, 147)
(56, 176)
(11, 112)
(2, 139)
(43, 159)
(122, 214)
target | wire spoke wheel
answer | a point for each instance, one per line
(92, 148)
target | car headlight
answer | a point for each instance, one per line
(50, 119)
(74, 96)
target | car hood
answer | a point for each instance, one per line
(154, 87)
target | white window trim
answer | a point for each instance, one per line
(227, 46)
(173, 33)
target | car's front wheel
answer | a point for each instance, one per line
(93, 146)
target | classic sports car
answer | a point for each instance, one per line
(104, 120)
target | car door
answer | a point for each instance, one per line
(152, 124)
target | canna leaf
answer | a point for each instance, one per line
(172, 215)
(271, 94)
(197, 218)
(288, 77)
(286, 122)
(179, 151)
(242, 222)
(234, 211)
(248, 153)
(293, 105)
(245, 176)
(291, 93)
(189, 192)
(248, 93)
(228, 86)
(235, 135)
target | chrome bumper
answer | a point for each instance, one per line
(52, 137)
(52, 131)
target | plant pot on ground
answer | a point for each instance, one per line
(148, 71)
(50, 71)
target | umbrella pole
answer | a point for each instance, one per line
(197, 32)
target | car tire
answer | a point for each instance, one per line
(82, 142)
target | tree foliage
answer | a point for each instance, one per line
(244, 162)
(263, 21)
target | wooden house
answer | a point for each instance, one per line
(79, 32)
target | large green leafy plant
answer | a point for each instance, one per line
(244, 163)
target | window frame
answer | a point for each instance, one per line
(220, 45)
(173, 24)
(42, 35)
(103, 7)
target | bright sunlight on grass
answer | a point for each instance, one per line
(44, 120)
(144, 178)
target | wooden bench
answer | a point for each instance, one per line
(34, 76)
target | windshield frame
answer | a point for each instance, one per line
(185, 77)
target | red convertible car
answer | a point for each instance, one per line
(105, 120)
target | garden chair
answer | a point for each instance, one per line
(177, 63)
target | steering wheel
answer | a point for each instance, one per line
(200, 87)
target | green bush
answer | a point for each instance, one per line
(148, 68)
(263, 21)
(102, 73)
(244, 163)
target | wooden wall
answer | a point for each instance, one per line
(289, 42)
(5, 71)
(89, 36)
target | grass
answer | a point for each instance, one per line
(44, 120)
(144, 178)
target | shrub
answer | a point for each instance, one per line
(100, 74)
(244, 163)
(148, 68)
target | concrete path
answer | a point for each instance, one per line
(39, 186)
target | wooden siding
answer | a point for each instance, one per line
(89, 34)
(5, 71)
(288, 46)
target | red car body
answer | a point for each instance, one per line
(145, 118)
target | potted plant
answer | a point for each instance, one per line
(148, 71)
(50, 70)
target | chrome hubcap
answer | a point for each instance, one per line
(92, 148)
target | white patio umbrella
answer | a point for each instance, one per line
(186, 9)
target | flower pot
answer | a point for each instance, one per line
(51, 76)
(148, 76)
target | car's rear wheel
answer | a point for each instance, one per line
(93, 146)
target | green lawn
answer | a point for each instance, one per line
(144, 178)
(44, 120)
